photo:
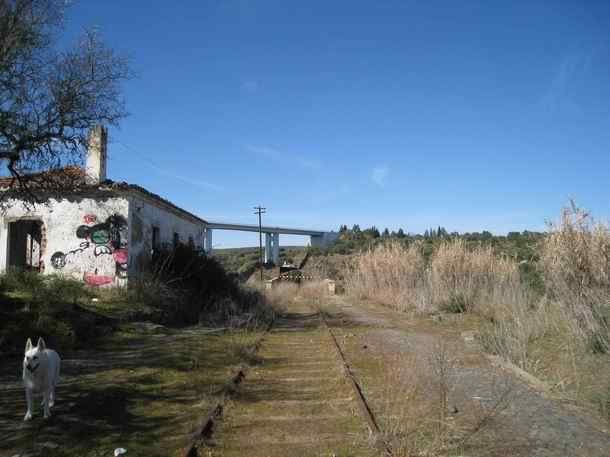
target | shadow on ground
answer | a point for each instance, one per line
(143, 391)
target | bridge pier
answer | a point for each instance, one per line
(268, 237)
(276, 248)
(272, 248)
(207, 245)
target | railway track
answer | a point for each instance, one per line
(365, 409)
(301, 400)
(206, 428)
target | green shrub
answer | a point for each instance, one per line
(62, 291)
(457, 303)
(46, 306)
(21, 280)
(186, 286)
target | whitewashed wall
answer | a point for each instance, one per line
(143, 216)
(101, 240)
(85, 238)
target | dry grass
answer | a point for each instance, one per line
(283, 293)
(455, 279)
(575, 263)
(469, 280)
(406, 422)
(391, 274)
(560, 334)
(279, 296)
(416, 412)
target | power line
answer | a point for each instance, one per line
(259, 210)
(162, 170)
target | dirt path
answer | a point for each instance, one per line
(497, 413)
(296, 401)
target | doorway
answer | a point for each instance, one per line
(25, 245)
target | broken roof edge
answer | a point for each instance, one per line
(124, 186)
(112, 187)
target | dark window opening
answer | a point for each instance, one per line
(155, 240)
(191, 243)
(25, 245)
(176, 240)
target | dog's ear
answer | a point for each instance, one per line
(28, 344)
(41, 345)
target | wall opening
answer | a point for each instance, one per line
(25, 245)
(155, 240)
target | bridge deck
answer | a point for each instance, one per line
(265, 229)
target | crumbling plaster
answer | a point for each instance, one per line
(101, 239)
(145, 214)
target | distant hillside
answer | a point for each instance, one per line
(331, 261)
(244, 261)
(519, 245)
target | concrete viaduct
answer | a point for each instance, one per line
(272, 237)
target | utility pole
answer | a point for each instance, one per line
(260, 211)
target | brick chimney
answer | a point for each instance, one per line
(96, 154)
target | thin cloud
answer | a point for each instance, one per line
(568, 74)
(164, 172)
(250, 87)
(185, 179)
(285, 157)
(379, 175)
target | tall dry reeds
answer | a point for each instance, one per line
(463, 279)
(391, 274)
(281, 294)
(455, 278)
(575, 265)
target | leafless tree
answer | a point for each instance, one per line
(50, 98)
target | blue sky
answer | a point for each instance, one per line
(470, 115)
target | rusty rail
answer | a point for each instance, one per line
(361, 399)
(206, 428)
(207, 425)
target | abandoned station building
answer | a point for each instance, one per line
(102, 232)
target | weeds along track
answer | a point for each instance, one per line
(206, 428)
(363, 405)
(297, 400)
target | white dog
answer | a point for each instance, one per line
(40, 375)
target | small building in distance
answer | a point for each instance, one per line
(101, 231)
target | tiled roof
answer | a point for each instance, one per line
(71, 172)
(82, 186)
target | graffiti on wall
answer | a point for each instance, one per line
(105, 240)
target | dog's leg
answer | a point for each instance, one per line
(45, 399)
(52, 397)
(28, 397)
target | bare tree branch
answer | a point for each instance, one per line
(49, 99)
